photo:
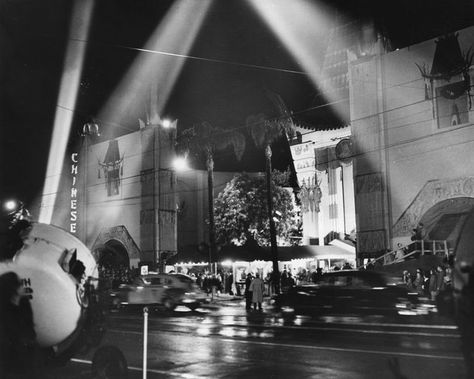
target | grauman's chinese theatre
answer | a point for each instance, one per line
(412, 118)
(118, 196)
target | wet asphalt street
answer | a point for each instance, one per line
(223, 340)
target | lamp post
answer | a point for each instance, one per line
(15, 211)
(89, 129)
(177, 164)
(165, 128)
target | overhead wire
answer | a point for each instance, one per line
(292, 114)
(377, 130)
(220, 61)
(355, 155)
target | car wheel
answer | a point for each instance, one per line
(169, 304)
(298, 310)
(116, 304)
(193, 307)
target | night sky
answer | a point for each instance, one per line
(33, 39)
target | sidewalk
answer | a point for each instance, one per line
(224, 298)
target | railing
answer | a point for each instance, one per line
(412, 250)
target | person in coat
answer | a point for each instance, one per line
(407, 280)
(418, 282)
(464, 314)
(440, 285)
(257, 287)
(433, 284)
(248, 292)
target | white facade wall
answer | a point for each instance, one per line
(398, 137)
(318, 224)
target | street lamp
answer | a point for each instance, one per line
(15, 210)
(180, 164)
(177, 164)
(10, 206)
(166, 123)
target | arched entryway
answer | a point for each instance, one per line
(436, 197)
(464, 252)
(115, 245)
(112, 254)
(445, 220)
(453, 220)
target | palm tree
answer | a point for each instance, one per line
(264, 132)
(203, 140)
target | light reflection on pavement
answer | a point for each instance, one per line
(223, 340)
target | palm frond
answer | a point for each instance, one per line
(278, 103)
(284, 120)
(256, 125)
(237, 141)
(204, 140)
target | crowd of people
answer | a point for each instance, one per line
(112, 277)
(215, 284)
(429, 283)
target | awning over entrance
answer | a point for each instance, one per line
(245, 253)
(257, 253)
(287, 253)
(349, 247)
(232, 253)
(187, 255)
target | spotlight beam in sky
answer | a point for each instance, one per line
(300, 25)
(176, 35)
(149, 81)
(74, 59)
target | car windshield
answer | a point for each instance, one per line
(183, 278)
(155, 281)
(152, 280)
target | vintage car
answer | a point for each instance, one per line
(349, 292)
(167, 290)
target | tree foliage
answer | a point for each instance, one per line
(203, 140)
(241, 211)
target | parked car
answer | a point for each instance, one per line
(168, 290)
(349, 291)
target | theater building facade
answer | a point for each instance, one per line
(124, 199)
(325, 177)
(121, 198)
(412, 120)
